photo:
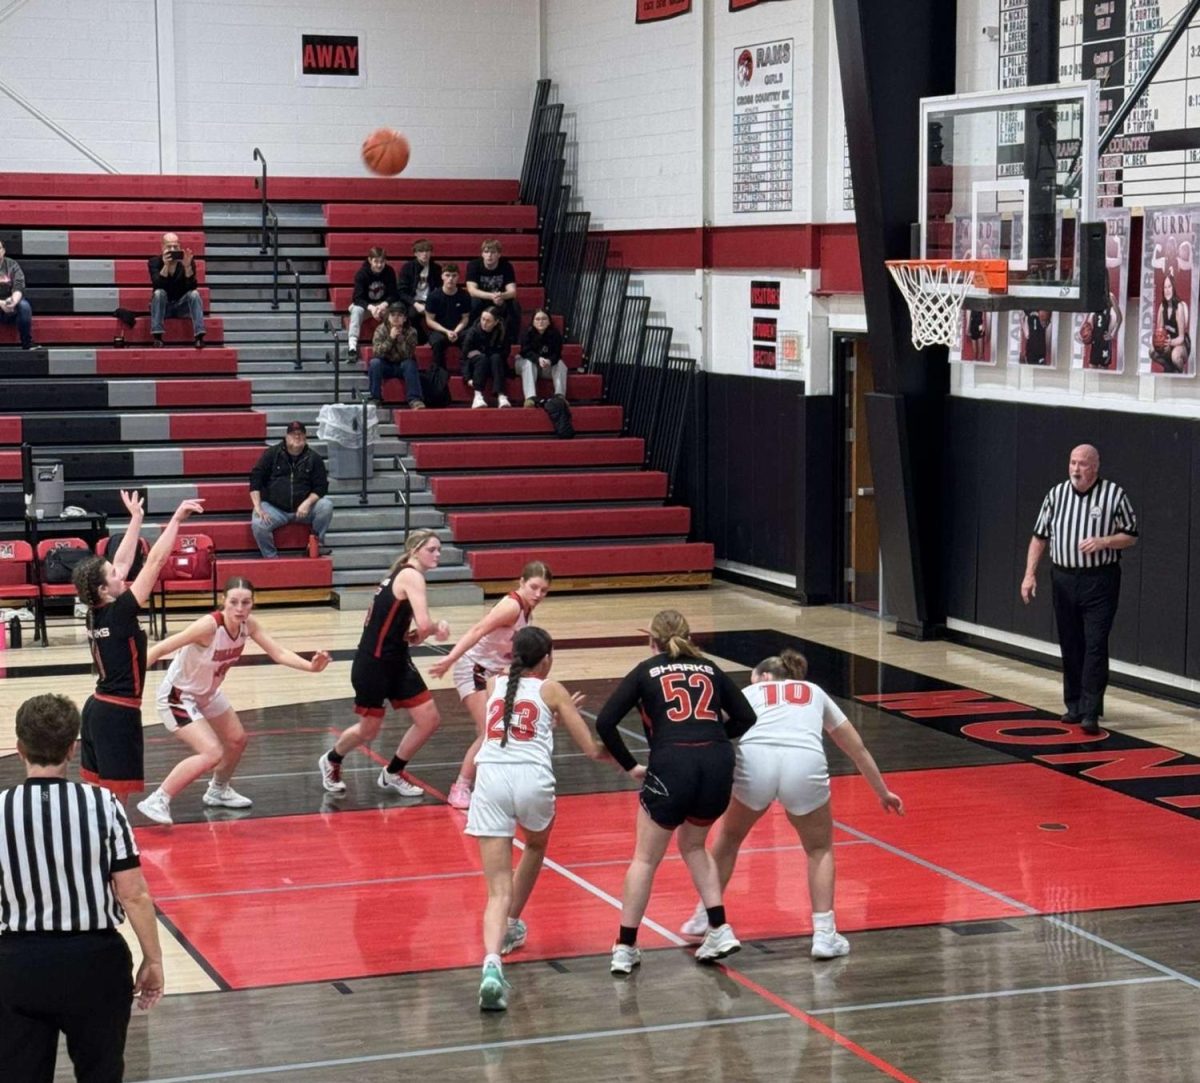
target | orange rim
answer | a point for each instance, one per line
(990, 274)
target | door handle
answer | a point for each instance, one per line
(869, 491)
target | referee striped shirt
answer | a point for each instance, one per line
(1068, 516)
(60, 843)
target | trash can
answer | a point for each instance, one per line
(340, 425)
(47, 489)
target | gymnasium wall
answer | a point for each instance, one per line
(1002, 457)
(160, 85)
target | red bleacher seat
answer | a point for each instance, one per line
(59, 213)
(280, 573)
(18, 575)
(528, 297)
(474, 216)
(341, 272)
(504, 454)
(462, 421)
(594, 560)
(10, 466)
(90, 330)
(507, 525)
(236, 536)
(465, 489)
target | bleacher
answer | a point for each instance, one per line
(175, 422)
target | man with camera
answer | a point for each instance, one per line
(173, 279)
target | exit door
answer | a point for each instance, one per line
(861, 558)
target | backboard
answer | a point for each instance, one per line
(1012, 175)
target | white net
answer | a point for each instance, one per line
(935, 295)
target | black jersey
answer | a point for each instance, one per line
(118, 643)
(1100, 353)
(386, 627)
(682, 701)
(1170, 317)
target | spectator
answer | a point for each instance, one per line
(447, 313)
(374, 289)
(419, 277)
(69, 875)
(394, 354)
(486, 353)
(492, 282)
(288, 485)
(173, 280)
(541, 355)
(13, 306)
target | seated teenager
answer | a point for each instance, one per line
(394, 355)
(418, 278)
(374, 289)
(492, 283)
(447, 314)
(541, 356)
(485, 353)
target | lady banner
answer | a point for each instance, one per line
(977, 339)
(1166, 317)
(1097, 343)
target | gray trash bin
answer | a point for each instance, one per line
(340, 425)
(48, 489)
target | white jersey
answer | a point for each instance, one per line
(197, 670)
(530, 729)
(493, 653)
(792, 714)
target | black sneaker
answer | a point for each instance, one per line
(1090, 726)
(158, 342)
(29, 346)
(198, 342)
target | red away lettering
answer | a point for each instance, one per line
(325, 56)
(1127, 763)
(310, 57)
(351, 52)
(955, 701)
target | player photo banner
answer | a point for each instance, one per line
(654, 11)
(977, 340)
(1031, 331)
(1097, 342)
(1167, 314)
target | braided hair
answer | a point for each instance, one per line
(530, 645)
(89, 578)
(670, 631)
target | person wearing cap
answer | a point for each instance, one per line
(394, 354)
(288, 485)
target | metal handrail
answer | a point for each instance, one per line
(258, 157)
(406, 498)
(274, 220)
(298, 363)
(334, 331)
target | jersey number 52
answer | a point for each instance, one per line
(678, 689)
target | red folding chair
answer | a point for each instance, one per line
(191, 567)
(18, 578)
(102, 550)
(47, 589)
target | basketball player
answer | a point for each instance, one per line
(516, 787)
(782, 758)
(110, 740)
(1171, 320)
(976, 329)
(1033, 333)
(486, 651)
(1105, 324)
(682, 697)
(383, 670)
(192, 705)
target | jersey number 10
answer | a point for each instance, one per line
(794, 692)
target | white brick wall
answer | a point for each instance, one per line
(457, 78)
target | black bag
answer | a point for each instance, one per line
(560, 416)
(435, 387)
(60, 564)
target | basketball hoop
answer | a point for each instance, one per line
(935, 290)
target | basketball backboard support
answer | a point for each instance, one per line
(1012, 175)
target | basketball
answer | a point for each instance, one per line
(1160, 339)
(1086, 331)
(385, 152)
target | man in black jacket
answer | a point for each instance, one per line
(173, 281)
(418, 278)
(374, 289)
(288, 485)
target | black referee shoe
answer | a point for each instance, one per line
(1090, 726)
(1071, 719)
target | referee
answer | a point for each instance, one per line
(1085, 522)
(69, 873)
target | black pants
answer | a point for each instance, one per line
(483, 365)
(1085, 603)
(438, 342)
(79, 984)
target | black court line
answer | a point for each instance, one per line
(222, 985)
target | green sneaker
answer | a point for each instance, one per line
(514, 936)
(493, 990)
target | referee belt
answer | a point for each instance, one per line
(1098, 570)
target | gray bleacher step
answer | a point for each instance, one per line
(382, 500)
(455, 573)
(304, 246)
(243, 217)
(382, 553)
(216, 268)
(283, 364)
(276, 336)
(278, 354)
(258, 298)
(379, 526)
(389, 482)
(263, 399)
(246, 276)
(439, 595)
(277, 320)
(318, 379)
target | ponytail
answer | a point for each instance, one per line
(530, 645)
(412, 543)
(670, 632)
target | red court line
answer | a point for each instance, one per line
(370, 753)
(821, 1028)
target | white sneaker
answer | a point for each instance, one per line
(514, 936)
(331, 775)
(398, 784)
(829, 945)
(478, 401)
(157, 807)
(717, 944)
(624, 959)
(502, 401)
(697, 924)
(225, 796)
